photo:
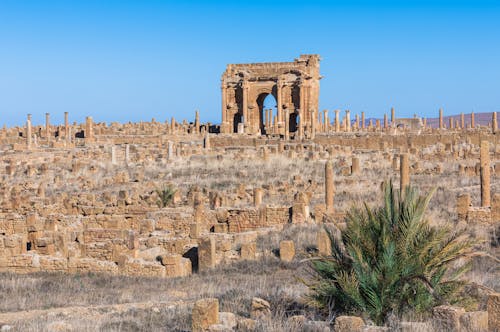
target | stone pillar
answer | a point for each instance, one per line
(337, 121)
(441, 125)
(257, 196)
(393, 116)
(450, 126)
(245, 104)
(170, 151)
(287, 125)
(66, 127)
(324, 244)
(494, 123)
(206, 142)
(385, 122)
(329, 186)
(363, 126)
(127, 154)
(355, 166)
(206, 254)
(485, 174)
(197, 122)
(287, 251)
(472, 120)
(279, 104)
(347, 120)
(89, 129)
(313, 124)
(356, 122)
(28, 132)
(404, 169)
(172, 126)
(463, 204)
(425, 122)
(462, 121)
(225, 125)
(47, 126)
(113, 155)
(377, 124)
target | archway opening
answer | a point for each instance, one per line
(267, 112)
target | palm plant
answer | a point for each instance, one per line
(390, 260)
(165, 195)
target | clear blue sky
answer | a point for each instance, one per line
(135, 60)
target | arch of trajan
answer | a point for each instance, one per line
(294, 85)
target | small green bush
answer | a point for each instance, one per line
(165, 195)
(390, 260)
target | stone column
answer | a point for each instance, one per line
(404, 169)
(485, 173)
(472, 120)
(327, 121)
(113, 155)
(355, 166)
(377, 124)
(66, 126)
(244, 87)
(494, 123)
(127, 154)
(206, 254)
(329, 186)
(47, 126)
(386, 122)
(257, 196)
(279, 103)
(89, 129)
(206, 142)
(337, 121)
(393, 116)
(170, 151)
(197, 122)
(348, 120)
(462, 121)
(441, 124)
(28, 132)
(451, 122)
(356, 122)
(225, 125)
(287, 125)
(313, 124)
(363, 126)
(425, 123)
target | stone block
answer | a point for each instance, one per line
(206, 254)
(248, 251)
(447, 318)
(349, 324)
(324, 244)
(287, 251)
(205, 313)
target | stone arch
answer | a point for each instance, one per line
(261, 96)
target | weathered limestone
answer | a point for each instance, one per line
(205, 313)
(248, 251)
(355, 166)
(337, 121)
(206, 254)
(441, 123)
(329, 186)
(28, 132)
(206, 142)
(66, 127)
(494, 122)
(404, 172)
(349, 324)
(485, 173)
(47, 126)
(463, 204)
(245, 86)
(287, 251)
(393, 116)
(89, 129)
(324, 243)
(257, 196)
(493, 307)
(472, 120)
